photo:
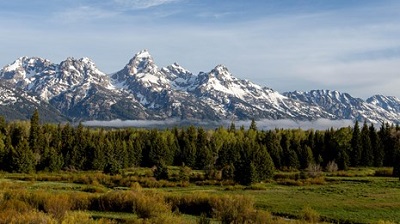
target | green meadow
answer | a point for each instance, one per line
(362, 195)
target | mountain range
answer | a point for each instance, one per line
(76, 90)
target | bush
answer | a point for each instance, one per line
(310, 215)
(261, 217)
(256, 187)
(16, 205)
(77, 217)
(166, 218)
(385, 222)
(193, 204)
(57, 205)
(184, 173)
(161, 172)
(150, 204)
(115, 201)
(32, 217)
(384, 172)
(233, 209)
(203, 219)
(332, 167)
(314, 170)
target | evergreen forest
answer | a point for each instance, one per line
(244, 156)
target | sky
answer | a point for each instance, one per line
(351, 46)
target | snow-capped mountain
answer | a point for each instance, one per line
(19, 105)
(389, 103)
(76, 89)
(344, 106)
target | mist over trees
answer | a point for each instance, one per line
(240, 155)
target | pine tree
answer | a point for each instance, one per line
(263, 162)
(232, 127)
(158, 150)
(396, 159)
(188, 148)
(377, 147)
(34, 132)
(22, 158)
(55, 160)
(356, 146)
(387, 142)
(271, 141)
(161, 171)
(204, 155)
(253, 125)
(7, 158)
(3, 152)
(367, 156)
(3, 125)
(293, 160)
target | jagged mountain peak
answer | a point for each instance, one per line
(174, 71)
(24, 67)
(222, 73)
(142, 62)
(389, 103)
(23, 71)
(141, 90)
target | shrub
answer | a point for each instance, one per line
(261, 217)
(150, 204)
(115, 201)
(166, 218)
(184, 173)
(112, 168)
(77, 217)
(203, 219)
(80, 201)
(256, 187)
(314, 170)
(16, 205)
(384, 172)
(310, 215)
(332, 167)
(57, 205)
(193, 204)
(161, 172)
(385, 222)
(32, 217)
(233, 209)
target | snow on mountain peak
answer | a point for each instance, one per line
(142, 62)
(143, 54)
(142, 90)
(222, 73)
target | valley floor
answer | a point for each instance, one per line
(354, 196)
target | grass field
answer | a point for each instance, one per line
(354, 196)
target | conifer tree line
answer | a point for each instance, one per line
(243, 155)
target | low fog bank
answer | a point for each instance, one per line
(320, 124)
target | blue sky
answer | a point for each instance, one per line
(346, 45)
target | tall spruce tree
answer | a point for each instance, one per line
(356, 146)
(22, 158)
(367, 156)
(253, 125)
(34, 132)
(377, 146)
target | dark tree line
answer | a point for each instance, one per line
(245, 156)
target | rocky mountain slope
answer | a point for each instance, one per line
(76, 90)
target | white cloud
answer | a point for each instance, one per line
(285, 51)
(143, 4)
(131, 123)
(320, 124)
(84, 13)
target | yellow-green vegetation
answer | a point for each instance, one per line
(354, 196)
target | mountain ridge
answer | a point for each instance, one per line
(77, 90)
